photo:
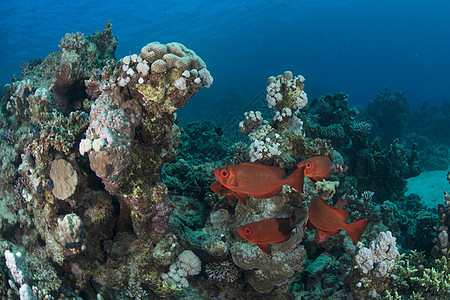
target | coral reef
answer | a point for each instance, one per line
(282, 140)
(113, 196)
(425, 128)
(390, 115)
(384, 170)
(105, 195)
(224, 271)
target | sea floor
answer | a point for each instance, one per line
(430, 186)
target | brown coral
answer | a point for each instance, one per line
(64, 177)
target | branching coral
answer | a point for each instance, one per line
(224, 271)
(436, 279)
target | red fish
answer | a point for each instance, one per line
(220, 189)
(257, 180)
(316, 167)
(270, 231)
(330, 220)
(320, 235)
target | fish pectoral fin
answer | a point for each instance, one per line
(270, 194)
(322, 235)
(312, 179)
(265, 248)
(231, 198)
(309, 225)
(341, 202)
(242, 197)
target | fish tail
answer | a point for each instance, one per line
(355, 229)
(296, 179)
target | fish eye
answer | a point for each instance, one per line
(247, 230)
(224, 173)
(308, 165)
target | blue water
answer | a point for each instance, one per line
(355, 47)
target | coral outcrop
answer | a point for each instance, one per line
(92, 130)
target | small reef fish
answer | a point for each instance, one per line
(257, 180)
(330, 220)
(220, 189)
(266, 232)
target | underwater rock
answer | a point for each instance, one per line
(267, 271)
(164, 251)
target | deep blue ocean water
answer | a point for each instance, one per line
(357, 47)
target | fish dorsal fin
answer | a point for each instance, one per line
(341, 202)
(242, 197)
(270, 194)
(265, 248)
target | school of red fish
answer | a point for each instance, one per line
(237, 182)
